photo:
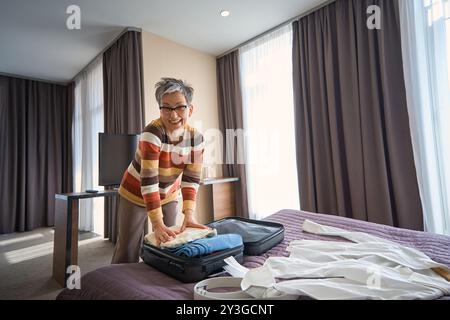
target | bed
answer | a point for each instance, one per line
(142, 282)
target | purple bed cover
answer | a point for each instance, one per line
(140, 281)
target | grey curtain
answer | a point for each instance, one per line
(123, 102)
(354, 148)
(231, 118)
(36, 151)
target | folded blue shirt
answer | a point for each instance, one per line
(206, 246)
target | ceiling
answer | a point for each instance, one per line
(34, 40)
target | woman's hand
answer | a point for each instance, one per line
(189, 221)
(163, 233)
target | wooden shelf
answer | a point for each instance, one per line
(209, 181)
(86, 195)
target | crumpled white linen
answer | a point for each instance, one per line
(367, 268)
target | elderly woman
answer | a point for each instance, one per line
(169, 158)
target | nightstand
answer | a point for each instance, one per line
(223, 196)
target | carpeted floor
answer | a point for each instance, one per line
(26, 262)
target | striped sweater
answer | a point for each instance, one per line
(161, 168)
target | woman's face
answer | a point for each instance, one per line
(174, 119)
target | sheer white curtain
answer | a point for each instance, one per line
(267, 93)
(425, 27)
(88, 122)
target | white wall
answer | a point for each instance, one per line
(165, 58)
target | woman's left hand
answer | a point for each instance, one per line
(189, 221)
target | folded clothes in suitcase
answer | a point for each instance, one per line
(258, 237)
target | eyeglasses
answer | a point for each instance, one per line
(178, 109)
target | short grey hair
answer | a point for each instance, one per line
(169, 85)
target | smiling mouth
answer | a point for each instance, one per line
(175, 121)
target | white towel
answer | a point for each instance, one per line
(188, 235)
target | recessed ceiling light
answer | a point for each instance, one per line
(225, 13)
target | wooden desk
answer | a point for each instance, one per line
(223, 193)
(65, 250)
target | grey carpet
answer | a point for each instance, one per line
(26, 262)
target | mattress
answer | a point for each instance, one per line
(142, 282)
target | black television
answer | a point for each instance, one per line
(116, 151)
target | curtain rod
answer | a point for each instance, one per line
(106, 48)
(324, 4)
(32, 79)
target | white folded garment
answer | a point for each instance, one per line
(368, 268)
(188, 235)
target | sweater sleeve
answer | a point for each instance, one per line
(150, 149)
(192, 172)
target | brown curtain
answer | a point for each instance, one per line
(231, 118)
(36, 151)
(354, 148)
(123, 102)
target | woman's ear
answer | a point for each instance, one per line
(191, 109)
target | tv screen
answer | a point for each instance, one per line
(116, 151)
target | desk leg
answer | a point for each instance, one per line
(65, 250)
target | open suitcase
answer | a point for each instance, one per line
(258, 237)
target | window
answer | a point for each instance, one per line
(88, 122)
(268, 106)
(425, 26)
